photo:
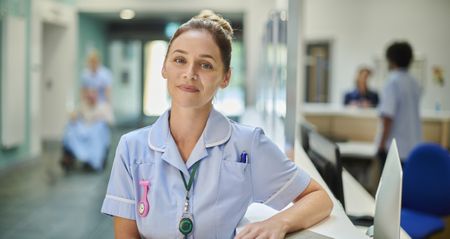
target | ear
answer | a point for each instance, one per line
(164, 72)
(226, 79)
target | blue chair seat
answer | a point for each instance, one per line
(420, 225)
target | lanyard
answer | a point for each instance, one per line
(187, 222)
(188, 185)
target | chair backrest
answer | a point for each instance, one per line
(426, 184)
(324, 154)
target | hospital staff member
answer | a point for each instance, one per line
(193, 173)
(97, 77)
(399, 105)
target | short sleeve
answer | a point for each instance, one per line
(387, 106)
(276, 180)
(119, 200)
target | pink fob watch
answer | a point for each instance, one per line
(143, 205)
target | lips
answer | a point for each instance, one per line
(188, 88)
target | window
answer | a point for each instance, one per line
(156, 97)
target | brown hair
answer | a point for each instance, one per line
(219, 28)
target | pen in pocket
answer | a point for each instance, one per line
(244, 157)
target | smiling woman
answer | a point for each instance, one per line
(194, 70)
(183, 175)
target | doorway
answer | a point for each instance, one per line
(318, 67)
(53, 85)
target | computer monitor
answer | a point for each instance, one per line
(388, 197)
(305, 128)
(324, 154)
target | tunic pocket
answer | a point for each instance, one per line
(235, 192)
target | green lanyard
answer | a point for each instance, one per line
(191, 177)
(187, 222)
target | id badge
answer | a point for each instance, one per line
(186, 225)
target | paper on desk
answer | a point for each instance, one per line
(257, 212)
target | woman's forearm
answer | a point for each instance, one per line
(310, 209)
(125, 229)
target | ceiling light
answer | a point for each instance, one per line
(127, 14)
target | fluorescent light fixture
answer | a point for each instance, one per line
(127, 14)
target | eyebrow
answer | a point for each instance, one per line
(202, 55)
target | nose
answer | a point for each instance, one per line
(191, 72)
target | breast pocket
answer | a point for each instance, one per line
(234, 196)
(143, 170)
(235, 184)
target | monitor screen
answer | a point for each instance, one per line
(325, 156)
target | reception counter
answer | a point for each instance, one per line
(354, 124)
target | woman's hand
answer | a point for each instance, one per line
(271, 228)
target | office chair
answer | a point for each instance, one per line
(426, 190)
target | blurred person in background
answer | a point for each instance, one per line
(96, 76)
(362, 96)
(87, 135)
(399, 104)
(194, 172)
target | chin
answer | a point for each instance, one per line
(191, 104)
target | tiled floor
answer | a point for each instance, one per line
(38, 200)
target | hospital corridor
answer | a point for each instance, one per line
(225, 119)
(40, 200)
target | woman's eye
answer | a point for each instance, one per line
(179, 60)
(206, 66)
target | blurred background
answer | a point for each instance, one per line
(292, 60)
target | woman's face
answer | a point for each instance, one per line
(194, 69)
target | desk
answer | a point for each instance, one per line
(338, 225)
(357, 149)
(361, 124)
(358, 202)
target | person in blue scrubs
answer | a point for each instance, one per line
(194, 172)
(362, 96)
(399, 105)
(87, 135)
(96, 76)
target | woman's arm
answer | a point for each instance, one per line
(125, 228)
(310, 207)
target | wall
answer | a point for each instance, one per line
(21, 10)
(37, 12)
(127, 82)
(92, 35)
(361, 29)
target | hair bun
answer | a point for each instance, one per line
(211, 16)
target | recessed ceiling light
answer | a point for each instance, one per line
(127, 14)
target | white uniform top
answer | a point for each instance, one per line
(223, 187)
(400, 101)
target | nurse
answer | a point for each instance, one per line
(193, 173)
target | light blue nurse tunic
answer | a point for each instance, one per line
(223, 187)
(99, 80)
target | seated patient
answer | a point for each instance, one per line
(87, 135)
(362, 96)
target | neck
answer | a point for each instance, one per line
(186, 127)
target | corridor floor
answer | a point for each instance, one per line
(39, 200)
